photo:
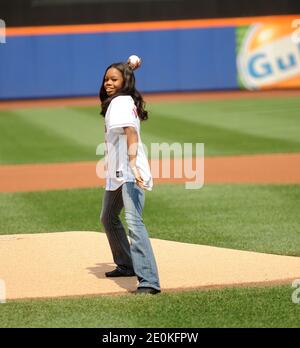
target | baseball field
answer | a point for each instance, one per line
(249, 202)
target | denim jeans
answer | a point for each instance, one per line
(138, 255)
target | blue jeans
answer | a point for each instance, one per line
(138, 255)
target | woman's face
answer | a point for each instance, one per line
(113, 81)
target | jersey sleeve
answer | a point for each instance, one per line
(122, 114)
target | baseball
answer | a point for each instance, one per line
(134, 61)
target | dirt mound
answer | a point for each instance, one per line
(66, 264)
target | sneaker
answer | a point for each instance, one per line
(146, 290)
(117, 273)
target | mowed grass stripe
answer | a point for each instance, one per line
(262, 218)
(256, 307)
(259, 117)
(217, 140)
(25, 141)
(226, 127)
(75, 124)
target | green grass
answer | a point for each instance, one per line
(227, 127)
(48, 135)
(244, 307)
(262, 218)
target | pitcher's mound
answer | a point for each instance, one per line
(73, 264)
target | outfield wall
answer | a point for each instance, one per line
(61, 61)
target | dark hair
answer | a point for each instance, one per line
(127, 89)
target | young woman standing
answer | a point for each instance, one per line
(127, 176)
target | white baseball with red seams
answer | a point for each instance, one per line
(134, 60)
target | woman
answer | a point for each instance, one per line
(127, 176)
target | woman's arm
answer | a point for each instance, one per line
(132, 146)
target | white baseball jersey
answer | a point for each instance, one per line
(122, 112)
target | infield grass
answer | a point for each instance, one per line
(262, 218)
(227, 127)
(244, 307)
